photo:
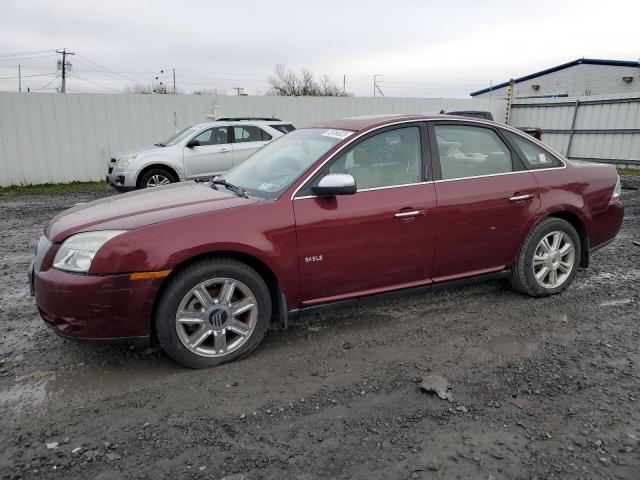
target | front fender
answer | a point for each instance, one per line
(264, 231)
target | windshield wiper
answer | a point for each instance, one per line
(230, 186)
(159, 144)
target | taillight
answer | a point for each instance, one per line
(617, 191)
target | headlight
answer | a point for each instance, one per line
(77, 251)
(126, 161)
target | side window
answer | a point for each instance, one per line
(248, 133)
(386, 159)
(467, 151)
(205, 137)
(534, 156)
(265, 136)
(213, 136)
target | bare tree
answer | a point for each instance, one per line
(140, 88)
(286, 83)
(210, 91)
(147, 88)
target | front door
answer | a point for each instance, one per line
(485, 199)
(213, 155)
(380, 238)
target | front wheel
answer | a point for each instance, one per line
(548, 260)
(155, 178)
(212, 312)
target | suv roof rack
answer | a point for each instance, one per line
(239, 119)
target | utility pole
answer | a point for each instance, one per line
(376, 86)
(174, 81)
(344, 84)
(63, 66)
(19, 78)
(239, 90)
(511, 90)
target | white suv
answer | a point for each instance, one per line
(198, 151)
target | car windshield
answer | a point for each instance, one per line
(178, 137)
(274, 167)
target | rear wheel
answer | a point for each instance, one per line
(156, 177)
(212, 312)
(548, 260)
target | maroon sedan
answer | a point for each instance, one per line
(325, 215)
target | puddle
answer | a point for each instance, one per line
(81, 384)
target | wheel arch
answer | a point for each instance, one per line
(153, 165)
(254, 262)
(578, 224)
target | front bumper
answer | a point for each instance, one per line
(122, 180)
(95, 307)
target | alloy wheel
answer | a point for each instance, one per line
(158, 179)
(553, 259)
(216, 317)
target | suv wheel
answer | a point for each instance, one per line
(156, 177)
(548, 259)
(212, 312)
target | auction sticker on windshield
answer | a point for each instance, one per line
(341, 134)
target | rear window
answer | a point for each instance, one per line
(284, 128)
(250, 133)
(534, 156)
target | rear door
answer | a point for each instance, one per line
(212, 157)
(485, 197)
(380, 238)
(246, 140)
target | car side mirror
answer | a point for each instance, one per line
(335, 184)
(193, 143)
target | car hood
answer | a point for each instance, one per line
(144, 207)
(140, 151)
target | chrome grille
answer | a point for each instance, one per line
(41, 250)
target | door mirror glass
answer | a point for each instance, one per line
(193, 143)
(335, 184)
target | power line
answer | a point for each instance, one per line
(104, 68)
(23, 53)
(45, 86)
(95, 83)
(21, 58)
(27, 76)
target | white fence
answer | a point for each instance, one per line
(50, 138)
(603, 128)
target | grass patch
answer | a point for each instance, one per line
(629, 171)
(52, 188)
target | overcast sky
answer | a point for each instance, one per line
(420, 48)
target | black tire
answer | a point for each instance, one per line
(181, 285)
(155, 172)
(522, 272)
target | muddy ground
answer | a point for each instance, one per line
(542, 388)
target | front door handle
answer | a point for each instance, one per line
(222, 150)
(520, 198)
(412, 213)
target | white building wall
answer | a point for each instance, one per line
(581, 79)
(49, 138)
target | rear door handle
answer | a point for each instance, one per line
(222, 150)
(412, 213)
(520, 198)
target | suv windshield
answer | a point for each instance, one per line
(178, 137)
(274, 167)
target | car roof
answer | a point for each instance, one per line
(367, 122)
(216, 123)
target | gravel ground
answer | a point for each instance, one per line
(541, 388)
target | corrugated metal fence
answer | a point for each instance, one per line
(604, 128)
(48, 138)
